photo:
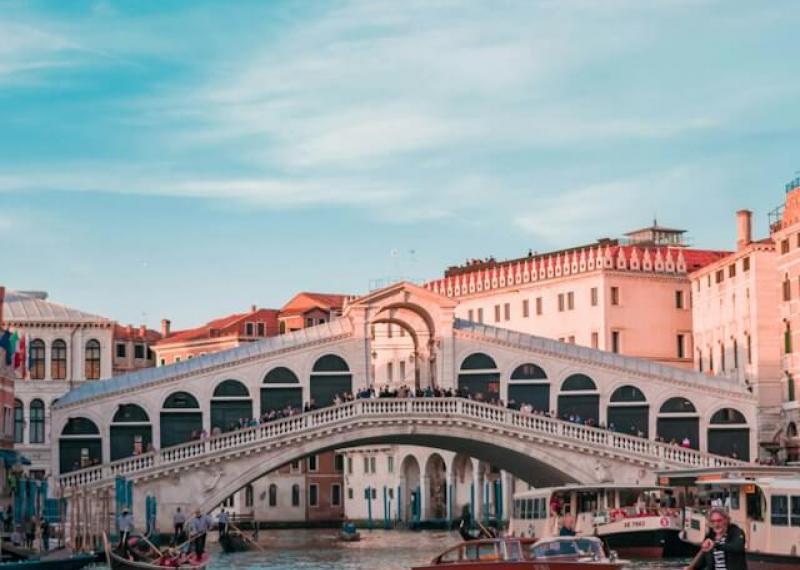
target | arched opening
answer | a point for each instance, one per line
(230, 406)
(37, 421)
(628, 412)
(80, 445)
(329, 377)
(273, 495)
(58, 360)
(19, 422)
(479, 377)
(130, 432)
(679, 422)
(181, 419)
(36, 359)
(410, 490)
(281, 389)
(528, 386)
(464, 492)
(435, 472)
(92, 360)
(579, 400)
(729, 435)
(394, 354)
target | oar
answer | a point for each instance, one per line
(693, 564)
(191, 539)
(153, 546)
(250, 540)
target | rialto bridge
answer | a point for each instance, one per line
(99, 426)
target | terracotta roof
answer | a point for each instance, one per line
(130, 332)
(225, 326)
(305, 301)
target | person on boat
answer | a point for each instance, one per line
(223, 518)
(178, 522)
(724, 545)
(30, 532)
(44, 527)
(125, 530)
(199, 526)
(567, 526)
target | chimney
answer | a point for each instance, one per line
(745, 228)
(129, 330)
(253, 308)
(165, 327)
(142, 331)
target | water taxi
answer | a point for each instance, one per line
(511, 553)
(640, 521)
(763, 501)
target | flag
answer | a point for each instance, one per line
(5, 343)
(22, 348)
(18, 357)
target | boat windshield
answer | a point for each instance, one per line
(477, 551)
(567, 546)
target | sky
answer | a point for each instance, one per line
(187, 159)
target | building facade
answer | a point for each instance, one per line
(593, 295)
(735, 311)
(133, 348)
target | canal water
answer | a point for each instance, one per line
(306, 549)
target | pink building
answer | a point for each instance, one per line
(785, 228)
(736, 333)
(627, 296)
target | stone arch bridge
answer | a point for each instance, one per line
(100, 425)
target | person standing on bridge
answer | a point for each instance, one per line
(178, 521)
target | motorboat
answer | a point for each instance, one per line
(155, 561)
(638, 521)
(349, 533)
(763, 501)
(514, 553)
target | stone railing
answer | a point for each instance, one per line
(412, 410)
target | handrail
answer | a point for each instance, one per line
(408, 409)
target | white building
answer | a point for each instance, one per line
(66, 347)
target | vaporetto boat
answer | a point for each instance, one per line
(763, 501)
(639, 521)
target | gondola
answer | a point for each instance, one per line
(233, 541)
(117, 562)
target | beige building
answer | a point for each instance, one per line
(629, 296)
(735, 313)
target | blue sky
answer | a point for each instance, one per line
(187, 159)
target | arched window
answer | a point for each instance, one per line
(80, 445)
(181, 419)
(330, 376)
(92, 360)
(131, 432)
(677, 406)
(230, 406)
(628, 411)
(479, 377)
(37, 359)
(281, 389)
(295, 495)
(19, 422)
(528, 386)
(584, 407)
(678, 421)
(273, 495)
(37, 421)
(729, 435)
(248, 496)
(58, 360)
(578, 382)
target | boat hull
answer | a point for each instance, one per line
(232, 542)
(116, 562)
(654, 543)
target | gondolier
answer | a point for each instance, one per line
(125, 530)
(199, 526)
(222, 523)
(178, 521)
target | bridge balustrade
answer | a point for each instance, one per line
(411, 409)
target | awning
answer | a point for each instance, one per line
(11, 457)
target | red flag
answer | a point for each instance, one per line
(20, 360)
